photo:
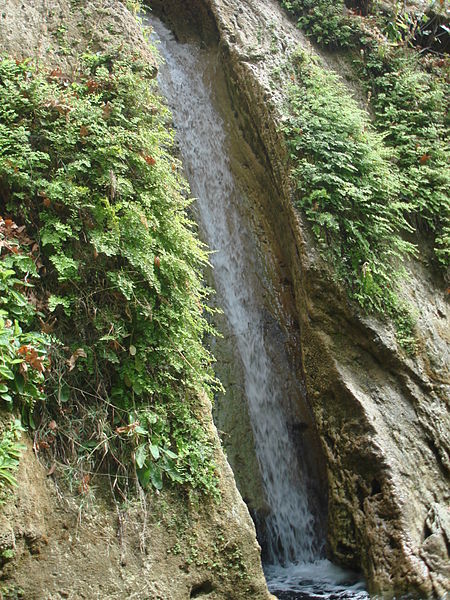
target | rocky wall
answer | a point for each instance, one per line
(382, 416)
(57, 542)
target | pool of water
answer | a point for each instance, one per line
(319, 579)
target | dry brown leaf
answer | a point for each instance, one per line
(75, 356)
(51, 470)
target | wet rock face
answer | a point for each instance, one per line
(232, 420)
(382, 417)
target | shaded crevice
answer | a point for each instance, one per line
(251, 165)
(360, 7)
(201, 589)
(189, 20)
(376, 487)
(435, 450)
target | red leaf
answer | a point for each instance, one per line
(92, 85)
(84, 485)
(56, 73)
(127, 428)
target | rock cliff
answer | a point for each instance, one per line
(58, 543)
(376, 418)
(381, 416)
(168, 546)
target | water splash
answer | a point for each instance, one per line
(317, 579)
(292, 544)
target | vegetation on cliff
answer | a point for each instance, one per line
(364, 184)
(103, 306)
(347, 188)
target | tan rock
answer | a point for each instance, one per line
(382, 417)
(164, 546)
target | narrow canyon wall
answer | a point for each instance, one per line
(57, 542)
(382, 417)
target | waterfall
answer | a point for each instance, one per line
(291, 537)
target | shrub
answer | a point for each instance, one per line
(326, 22)
(408, 96)
(86, 166)
(348, 188)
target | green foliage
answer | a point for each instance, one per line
(85, 163)
(155, 458)
(23, 352)
(411, 109)
(348, 189)
(134, 6)
(324, 21)
(10, 449)
(408, 95)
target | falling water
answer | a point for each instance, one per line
(293, 549)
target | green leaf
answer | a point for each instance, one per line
(64, 393)
(65, 302)
(154, 450)
(19, 382)
(173, 473)
(141, 455)
(143, 476)
(141, 430)
(169, 453)
(6, 475)
(7, 373)
(156, 476)
(151, 417)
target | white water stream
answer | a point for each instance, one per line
(295, 553)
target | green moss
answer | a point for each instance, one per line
(12, 592)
